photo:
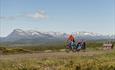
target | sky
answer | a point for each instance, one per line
(57, 15)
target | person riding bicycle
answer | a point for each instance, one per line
(71, 40)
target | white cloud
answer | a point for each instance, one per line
(39, 15)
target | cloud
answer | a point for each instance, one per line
(39, 15)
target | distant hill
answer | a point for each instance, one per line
(31, 36)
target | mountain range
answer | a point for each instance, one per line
(32, 36)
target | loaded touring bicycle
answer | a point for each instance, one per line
(75, 47)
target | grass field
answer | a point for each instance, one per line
(53, 57)
(89, 60)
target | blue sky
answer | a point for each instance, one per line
(57, 15)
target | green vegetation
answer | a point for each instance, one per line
(4, 50)
(50, 46)
(25, 48)
(59, 61)
(12, 57)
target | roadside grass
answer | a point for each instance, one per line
(68, 61)
(12, 58)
